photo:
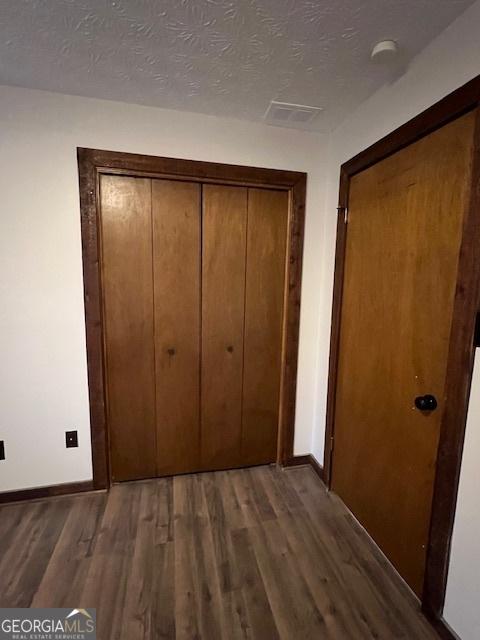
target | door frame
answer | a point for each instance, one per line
(92, 163)
(461, 348)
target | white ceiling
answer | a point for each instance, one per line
(221, 57)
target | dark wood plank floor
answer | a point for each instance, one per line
(254, 553)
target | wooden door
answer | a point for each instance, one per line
(223, 312)
(264, 303)
(126, 235)
(403, 239)
(176, 275)
(193, 292)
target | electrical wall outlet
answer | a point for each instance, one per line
(2, 450)
(71, 439)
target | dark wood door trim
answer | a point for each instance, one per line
(91, 164)
(461, 350)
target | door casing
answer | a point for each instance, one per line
(461, 348)
(92, 163)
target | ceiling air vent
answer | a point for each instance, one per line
(288, 114)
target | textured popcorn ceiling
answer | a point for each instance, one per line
(221, 57)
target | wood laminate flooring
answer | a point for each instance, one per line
(258, 553)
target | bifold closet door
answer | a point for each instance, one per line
(176, 216)
(126, 234)
(243, 275)
(151, 289)
(193, 288)
(223, 311)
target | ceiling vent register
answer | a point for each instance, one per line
(286, 113)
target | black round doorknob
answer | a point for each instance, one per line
(426, 403)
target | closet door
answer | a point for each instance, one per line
(126, 247)
(264, 303)
(193, 324)
(176, 273)
(223, 305)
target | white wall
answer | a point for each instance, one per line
(43, 379)
(449, 61)
(462, 607)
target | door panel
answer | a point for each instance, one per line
(223, 303)
(176, 268)
(128, 320)
(403, 240)
(264, 301)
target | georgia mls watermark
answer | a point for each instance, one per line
(48, 624)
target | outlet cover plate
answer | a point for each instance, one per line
(71, 439)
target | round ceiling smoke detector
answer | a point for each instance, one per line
(384, 51)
